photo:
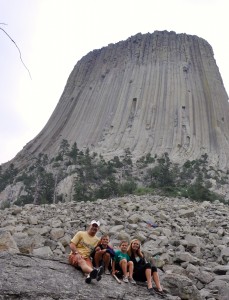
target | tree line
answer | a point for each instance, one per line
(97, 178)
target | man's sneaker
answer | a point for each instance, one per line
(94, 273)
(131, 280)
(88, 279)
(151, 291)
(99, 273)
(100, 270)
(125, 279)
(91, 276)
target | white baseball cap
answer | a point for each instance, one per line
(95, 222)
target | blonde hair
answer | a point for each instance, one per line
(130, 250)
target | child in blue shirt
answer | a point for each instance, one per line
(103, 253)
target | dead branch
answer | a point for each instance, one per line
(16, 47)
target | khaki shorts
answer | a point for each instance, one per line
(74, 261)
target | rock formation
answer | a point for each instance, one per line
(156, 93)
(188, 241)
(27, 277)
(152, 93)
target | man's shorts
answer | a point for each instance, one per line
(74, 261)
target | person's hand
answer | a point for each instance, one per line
(77, 254)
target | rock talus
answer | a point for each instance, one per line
(188, 242)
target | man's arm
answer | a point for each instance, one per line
(73, 248)
(74, 242)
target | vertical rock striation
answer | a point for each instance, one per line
(157, 93)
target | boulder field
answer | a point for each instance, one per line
(188, 241)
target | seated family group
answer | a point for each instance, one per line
(95, 256)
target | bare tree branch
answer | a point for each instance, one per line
(16, 47)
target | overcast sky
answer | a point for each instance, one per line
(53, 35)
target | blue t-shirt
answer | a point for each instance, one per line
(119, 255)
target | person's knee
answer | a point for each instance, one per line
(148, 271)
(106, 256)
(73, 261)
(154, 269)
(81, 263)
(98, 255)
(130, 263)
(123, 262)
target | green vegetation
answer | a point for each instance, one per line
(7, 177)
(97, 178)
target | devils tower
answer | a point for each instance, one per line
(159, 92)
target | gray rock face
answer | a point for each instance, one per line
(28, 277)
(191, 252)
(156, 93)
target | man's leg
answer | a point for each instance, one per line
(95, 273)
(85, 265)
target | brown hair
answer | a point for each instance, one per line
(100, 241)
(130, 250)
(122, 242)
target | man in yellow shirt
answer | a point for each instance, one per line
(82, 245)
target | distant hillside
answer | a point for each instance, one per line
(74, 175)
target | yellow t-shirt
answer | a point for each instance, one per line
(85, 243)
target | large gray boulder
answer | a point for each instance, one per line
(27, 277)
